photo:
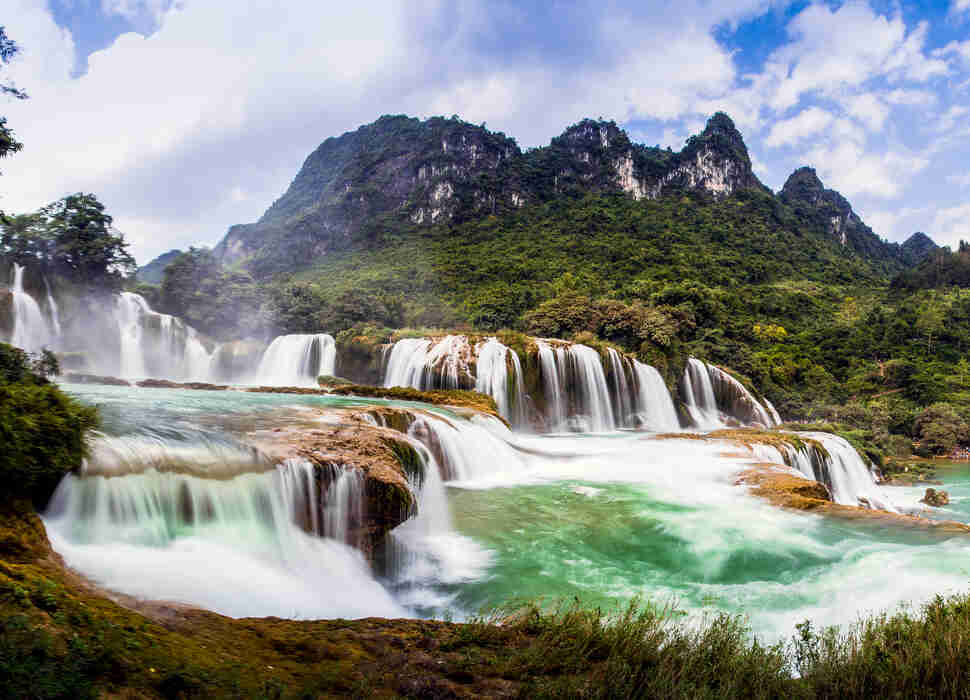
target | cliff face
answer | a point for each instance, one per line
(400, 173)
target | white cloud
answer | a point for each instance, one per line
(848, 168)
(805, 124)
(959, 6)
(961, 180)
(951, 225)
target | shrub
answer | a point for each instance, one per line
(41, 429)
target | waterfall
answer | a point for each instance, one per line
(405, 363)
(30, 329)
(573, 377)
(655, 407)
(235, 545)
(157, 345)
(711, 396)
(847, 475)
(551, 366)
(297, 360)
(53, 310)
(424, 364)
(623, 398)
(837, 465)
(492, 377)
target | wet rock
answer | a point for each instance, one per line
(79, 378)
(935, 498)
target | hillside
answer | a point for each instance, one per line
(154, 271)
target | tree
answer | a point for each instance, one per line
(85, 247)
(8, 49)
(939, 428)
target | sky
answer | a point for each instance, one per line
(188, 116)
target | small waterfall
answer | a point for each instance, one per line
(157, 345)
(344, 506)
(847, 475)
(837, 465)
(405, 363)
(423, 364)
(575, 388)
(492, 377)
(551, 367)
(53, 310)
(30, 329)
(623, 398)
(297, 360)
(655, 407)
(714, 399)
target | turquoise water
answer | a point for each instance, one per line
(599, 518)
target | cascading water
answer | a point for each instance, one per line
(623, 398)
(297, 360)
(848, 477)
(655, 407)
(176, 536)
(551, 368)
(713, 399)
(157, 345)
(30, 329)
(53, 310)
(492, 377)
(422, 364)
(405, 362)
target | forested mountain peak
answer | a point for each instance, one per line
(400, 172)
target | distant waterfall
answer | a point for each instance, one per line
(297, 360)
(30, 329)
(422, 364)
(713, 398)
(452, 363)
(157, 345)
(53, 310)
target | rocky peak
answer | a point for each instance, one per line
(916, 248)
(803, 185)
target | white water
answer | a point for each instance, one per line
(703, 383)
(851, 481)
(623, 397)
(551, 367)
(54, 311)
(157, 345)
(655, 407)
(297, 360)
(231, 546)
(492, 377)
(405, 363)
(30, 329)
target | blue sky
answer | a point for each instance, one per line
(187, 117)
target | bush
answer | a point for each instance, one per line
(41, 429)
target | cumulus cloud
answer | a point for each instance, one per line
(805, 124)
(952, 225)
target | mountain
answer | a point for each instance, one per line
(152, 272)
(916, 249)
(400, 172)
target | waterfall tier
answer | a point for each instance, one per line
(31, 330)
(714, 399)
(297, 360)
(157, 345)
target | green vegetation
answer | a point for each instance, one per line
(71, 238)
(42, 430)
